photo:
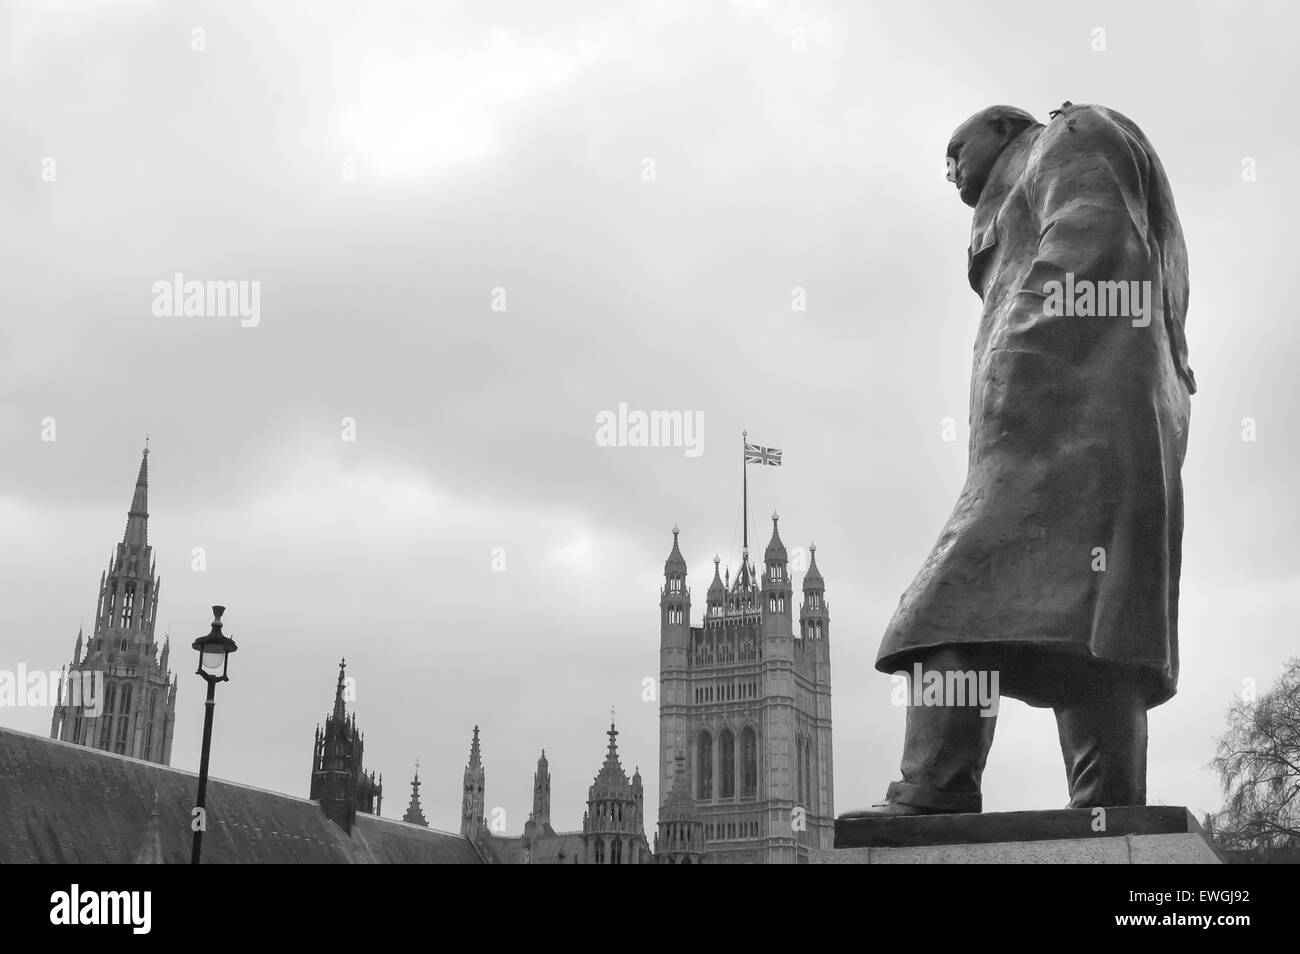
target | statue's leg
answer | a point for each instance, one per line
(1104, 742)
(945, 749)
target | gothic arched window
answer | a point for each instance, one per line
(123, 723)
(798, 768)
(128, 602)
(748, 762)
(148, 730)
(807, 773)
(726, 764)
(704, 761)
(106, 716)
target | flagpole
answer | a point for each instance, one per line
(744, 469)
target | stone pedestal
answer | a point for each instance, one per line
(1154, 834)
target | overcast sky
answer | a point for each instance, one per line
(381, 168)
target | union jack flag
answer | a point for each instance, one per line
(754, 454)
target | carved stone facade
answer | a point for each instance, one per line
(745, 704)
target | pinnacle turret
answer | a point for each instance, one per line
(611, 773)
(676, 563)
(475, 753)
(812, 580)
(717, 588)
(775, 548)
(414, 814)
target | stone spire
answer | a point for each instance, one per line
(717, 587)
(675, 562)
(137, 518)
(121, 651)
(472, 821)
(339, 706)
(475, 754)
(542, 792)
(775, 548)
(812, 580)
(414, 815)
(611, 773)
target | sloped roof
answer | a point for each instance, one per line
(560, 848)
(66, 803)
(502, 849)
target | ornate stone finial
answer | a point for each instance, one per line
(611, 715)
(716, 559)
(775, 516)
(675, 530)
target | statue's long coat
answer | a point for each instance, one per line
(1078, 425)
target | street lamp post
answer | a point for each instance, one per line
(214, 652)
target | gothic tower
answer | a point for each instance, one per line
(338, 779)
(613, 827)
(472, 820)
(818, 769)
(745, 703)
(539, 819)
(675, 692)
(120, 696)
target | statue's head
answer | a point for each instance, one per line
(976, 145)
